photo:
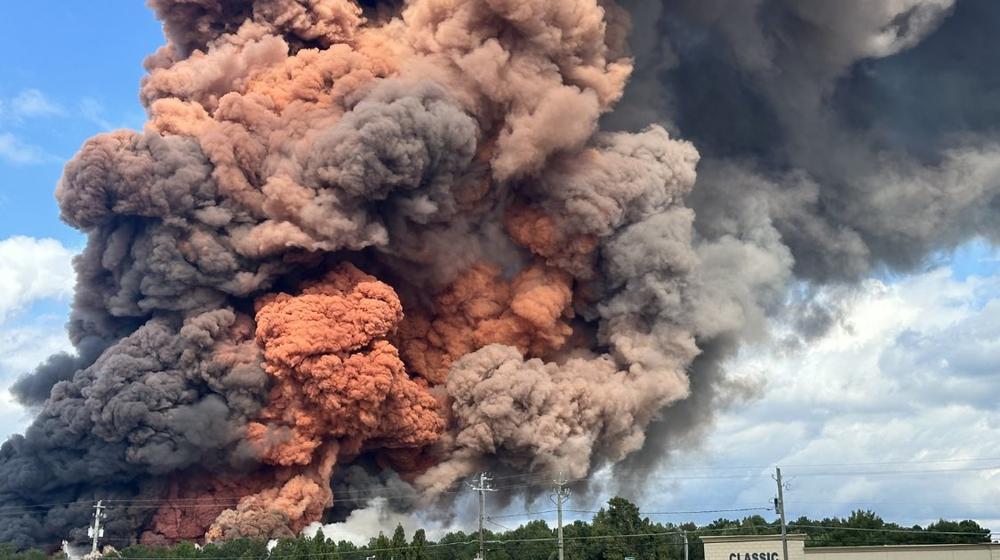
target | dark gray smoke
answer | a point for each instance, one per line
(837, 138)
(866, 132)
(33, 389)
(170, 395)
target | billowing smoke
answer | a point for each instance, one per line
(855, 132)
(837, 140)
(392, 243)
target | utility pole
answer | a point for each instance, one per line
(685, 534)
(483, 488)
(96, 531)
(559, 497)
(779, 504)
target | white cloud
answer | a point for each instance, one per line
(94, 112)
(21, 349)
(14, 150)
(909, 375)
(33, 269)
(33, 103)
(28, 104)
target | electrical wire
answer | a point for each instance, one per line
(910, 531)
(584, 538)
(689, 512)
(356, 495)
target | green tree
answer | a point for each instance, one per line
(621, 518)
(417, 551)
(400, 546)
(322, 548)
(457, 545)
(967, 526)
(244, 549)
(142, 551)
(183, 550)
(293, 549)
(532, 541)
(347, 548)
(380, 547)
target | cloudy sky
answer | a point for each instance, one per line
(892, 410)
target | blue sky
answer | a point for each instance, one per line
(66, 76)
(907, 375)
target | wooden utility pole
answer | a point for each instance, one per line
(779, 504)
(97, 531)
(559, 497)
(482, 488)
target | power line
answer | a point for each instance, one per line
(36, 509)
(687, 512)
(198, 501)
(504, 527)
(377, 492)
(796, 474)
(363, 550)
(718, 467)
(525, 514)
(698, 511)
(889, 530)
(810, 502)
(183, 503)
(897, 472)
(900, 462)
(187, 503)
(526, 478)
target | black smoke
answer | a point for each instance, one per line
(837, 139)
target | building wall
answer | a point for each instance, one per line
(736, 548)
(984, 552)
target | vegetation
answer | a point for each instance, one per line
(8, 552)
(615, 532)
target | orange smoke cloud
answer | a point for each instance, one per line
(481, 308)
(296, 499)
(339, 383)
(192, 505)
(547, 65)
(337, 376)
(542, 233)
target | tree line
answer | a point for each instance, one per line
(617, 531)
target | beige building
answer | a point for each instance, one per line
(756, 547)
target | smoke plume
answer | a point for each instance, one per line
(411, 242)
